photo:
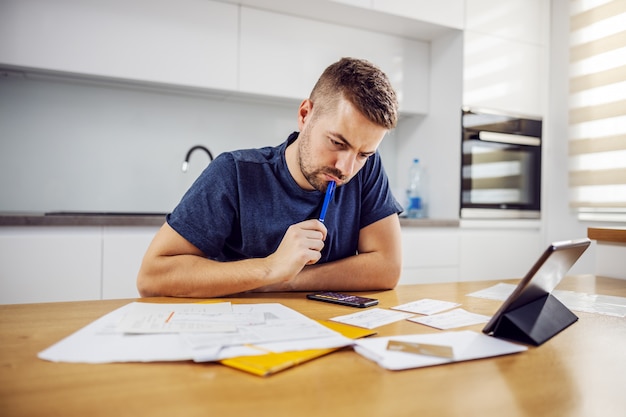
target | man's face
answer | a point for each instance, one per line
(335, 145)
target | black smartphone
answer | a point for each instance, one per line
(343, 299)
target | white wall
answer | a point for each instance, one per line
(71, 145)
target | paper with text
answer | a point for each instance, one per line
(451, 319)
(102, 342)
(372, 318)
(426, 306)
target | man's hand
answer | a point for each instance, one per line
(301, 246)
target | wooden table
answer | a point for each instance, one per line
(580, 372)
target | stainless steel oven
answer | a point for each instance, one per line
(501, 165)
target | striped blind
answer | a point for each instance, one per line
(597, 109)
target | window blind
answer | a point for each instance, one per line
(597, 109)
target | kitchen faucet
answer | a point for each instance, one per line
(186, 162)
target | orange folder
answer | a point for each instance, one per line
(271, 363)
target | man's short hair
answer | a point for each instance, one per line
(363, 84)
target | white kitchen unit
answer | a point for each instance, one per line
(185, 43)
(46, 264)
(442, 12)
(70, 263)
(283, 56)
(123, 249)
(430, 255)
(506, 55)
(503, 75)
(516, 20)
(498, 251)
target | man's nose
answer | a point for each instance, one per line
(345, 163)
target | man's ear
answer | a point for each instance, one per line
(304, 113)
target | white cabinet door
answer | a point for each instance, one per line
(517, 20)
(283, 56)
(506, 55)
(47, 264)
(187, 42)
(448, 13)
(429, 255)
(498, 254)
(123, 251)
(502, 74)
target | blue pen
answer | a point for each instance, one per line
(329, 194)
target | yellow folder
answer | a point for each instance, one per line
(271, 363)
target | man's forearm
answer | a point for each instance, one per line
(363, 272)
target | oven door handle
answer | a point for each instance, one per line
(509, 138)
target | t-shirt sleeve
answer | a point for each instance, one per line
(377, 200)
(206, 214)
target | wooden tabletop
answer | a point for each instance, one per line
(580, 372)
(607, 234)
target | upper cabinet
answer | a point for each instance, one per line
(506, 55)
(515, 20)
(448, 13)
(284, 55)
(224, 47)
(185, 43)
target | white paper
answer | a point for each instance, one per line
(576, 301)
(213, 354)
(281, 324)
(451, 319)
(426, 306)
(609, 305)
(101, 341)
(372, 318)
(183, 318)
(467, 345)
(499, 292)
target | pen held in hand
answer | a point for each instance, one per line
(329, 193)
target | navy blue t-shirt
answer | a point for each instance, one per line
(243, 203)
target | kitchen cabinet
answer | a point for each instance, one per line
(283, 56)
(498, 253)
(476, 251)
(186, 43)
(203, 45)
(448, 13)
(503, 75)
(506, 55)
(47, 264)
(430, 255)
(58, 263)
(443, 12)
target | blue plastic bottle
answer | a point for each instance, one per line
(415, 209)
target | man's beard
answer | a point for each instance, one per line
(311, 173)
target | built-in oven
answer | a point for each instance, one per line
(501, 165)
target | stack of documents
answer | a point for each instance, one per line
(144, 332)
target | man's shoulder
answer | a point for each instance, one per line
(267, 154)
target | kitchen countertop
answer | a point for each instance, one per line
(81, 219)
(141, 219)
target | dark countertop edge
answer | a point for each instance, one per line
(404, 222)
(41, 219)
(155, 219)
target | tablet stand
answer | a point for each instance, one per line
(536, 322)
